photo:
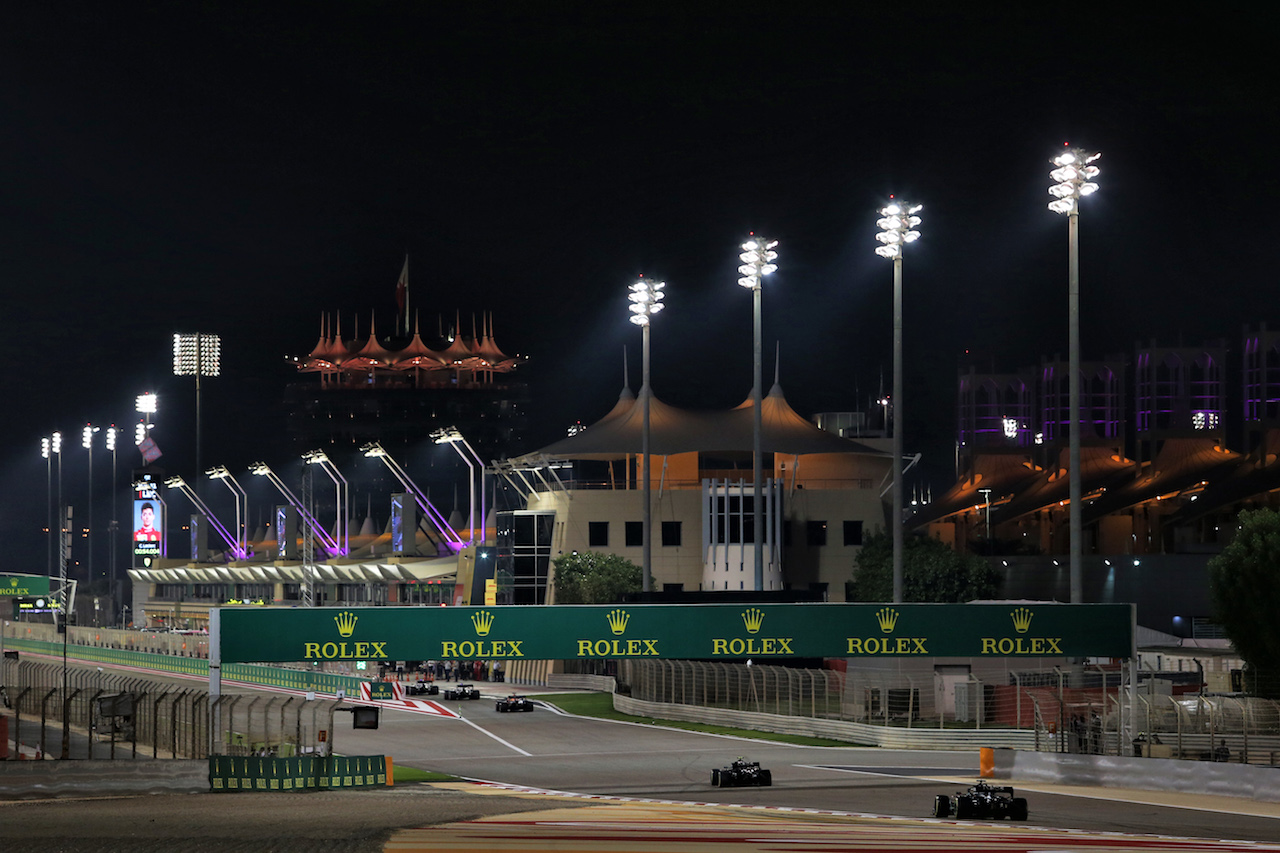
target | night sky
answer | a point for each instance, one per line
(240, 170)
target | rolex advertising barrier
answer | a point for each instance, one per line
(232, 774)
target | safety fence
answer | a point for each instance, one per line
(80, 712)
(1084, 709)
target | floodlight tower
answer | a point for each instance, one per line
(646, 300)
(1072, 178)
(113, 526)
(897, 228)
(46, 450)
(757, 258)
(197, 355)
(86, 441)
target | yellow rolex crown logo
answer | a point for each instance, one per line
(753, 618)
(618, 620)
(887, 617)
(1021, 619)
(483, 622)
(346, 622)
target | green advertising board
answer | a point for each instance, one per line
(23, 586)
(683, 631)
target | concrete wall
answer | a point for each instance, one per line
(1144, 774)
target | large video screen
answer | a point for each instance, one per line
(148, 523)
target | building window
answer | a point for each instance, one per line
(853, 533)
(598, 534)
(635, 534)
(816, 533)
(671, 534)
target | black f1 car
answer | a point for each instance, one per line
(513, 703)
(981, 801)
(462, 691)
(422, 688)
(741, 774)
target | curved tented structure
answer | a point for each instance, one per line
(673, 430)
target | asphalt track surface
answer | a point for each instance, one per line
(631, 788)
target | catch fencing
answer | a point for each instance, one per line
(80, 713)
(1084, 709)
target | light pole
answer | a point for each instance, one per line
(86, 441)
(241, 498)
(453, 437)
(757, 261)
(986, 493)
(197, 355)
(1073, 179)
(114, 525)
(897, 228)
(343, 501)
(646, 300)
(46, 450)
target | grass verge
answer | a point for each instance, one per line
(601, 705)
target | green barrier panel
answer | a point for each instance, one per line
(686, 631)
(236, 774)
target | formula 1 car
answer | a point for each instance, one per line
(981, 801)
(741, 774)
(513, 703)
(462, 691)
(422, 688)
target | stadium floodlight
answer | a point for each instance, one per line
(197, 355)
(453, 437)
(375, 450)
(897, 222)
(757, 258)
(1072, 177)
(646, 300)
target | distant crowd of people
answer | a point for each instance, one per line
(443, 670)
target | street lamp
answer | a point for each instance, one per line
(240, 497)
(757, 261)
(343, 501)
(986, 493)
(197, 355)
(1073, 176)
(897, 228)
(375, 450)
(646, 300)
(453, 437)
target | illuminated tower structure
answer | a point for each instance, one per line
(396, 390)
(1102, 403)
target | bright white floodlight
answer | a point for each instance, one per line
(646, 300)
(897, 228)
(757, 261)
(1073, 179)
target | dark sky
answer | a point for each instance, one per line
(242, 168)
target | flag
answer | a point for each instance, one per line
(150, 452)
(402, 286)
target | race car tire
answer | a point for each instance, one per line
(727, 780)
(964, 808)
(766, 778)
(449, 694)
(941, 806)
(1018, 809)
(715, 778)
